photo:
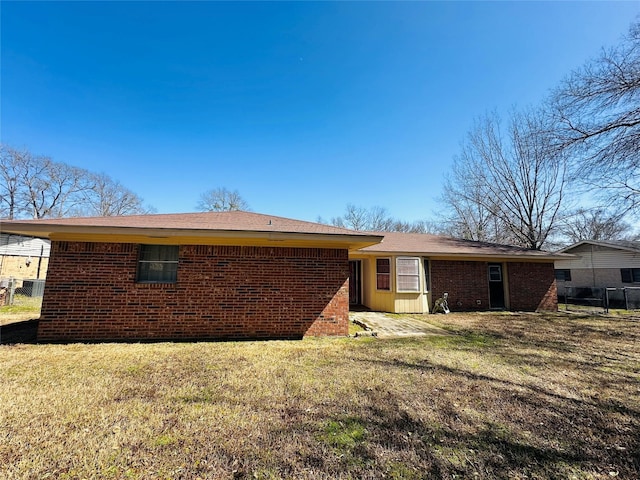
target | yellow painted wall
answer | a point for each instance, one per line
(390, 301)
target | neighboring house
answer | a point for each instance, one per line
(407, 272)
(613, 264)
(247, 275)
(23, 257)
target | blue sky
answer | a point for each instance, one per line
(301, 107)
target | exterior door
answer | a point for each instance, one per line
(496, 286)
(355, 295)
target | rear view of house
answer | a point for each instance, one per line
(234, 275)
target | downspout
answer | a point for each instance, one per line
(40, 261)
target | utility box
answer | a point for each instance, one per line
(33, 288)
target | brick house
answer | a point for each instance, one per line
(233, 275)
(193, 276)
(407, 272)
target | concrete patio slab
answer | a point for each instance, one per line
(387, 326)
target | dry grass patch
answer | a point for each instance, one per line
(507, 396)
(23, 308)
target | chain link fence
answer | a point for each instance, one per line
(599, 299)
(21, 292)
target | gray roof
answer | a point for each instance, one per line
(627, 245)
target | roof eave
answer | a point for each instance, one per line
(466, 255)
(182, 236)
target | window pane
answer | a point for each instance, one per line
(383, 265)
(407, 266)
(383, 281)
(158, 263)
(167, 253)
(494, 273)
(383, 274)
(635, 272)
(625, 273)
(158, 272)
(409, 283)
(408, 274)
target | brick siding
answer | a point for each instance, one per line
(222, 292)
(531, 286)
(464, 281)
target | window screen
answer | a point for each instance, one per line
(408, 274)
(383, 274)
(158, 264)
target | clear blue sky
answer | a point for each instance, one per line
(301, 107)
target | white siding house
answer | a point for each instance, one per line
(23, 257)
(612, 264)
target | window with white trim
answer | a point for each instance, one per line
(408, 274)
(158, 264)
(383, 274)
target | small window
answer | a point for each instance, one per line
(383, 274)
(427, 279)
(158, 264)
(408, 274)
(495, 273)
(563, 274)
(630, 275)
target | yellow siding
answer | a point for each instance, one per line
(390, 301)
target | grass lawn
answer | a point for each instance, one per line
(24, 308)
(510, 396)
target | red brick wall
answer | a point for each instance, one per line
(221, 292)
(531, 286)
(465, 282)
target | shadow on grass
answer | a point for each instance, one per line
(19, 332)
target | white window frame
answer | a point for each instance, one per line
(388, 274)
(415, 275)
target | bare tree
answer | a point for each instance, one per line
(466, 215)
(355, 218)
(14, 166)
(221, 200)
(513, 182)
(419, 226)
(108, 197)
(54, 189)
(597, 113)
(36, 186)
(377, 219)
(595, 224)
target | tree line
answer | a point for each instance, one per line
(35, 186)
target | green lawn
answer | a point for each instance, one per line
(507, 396)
